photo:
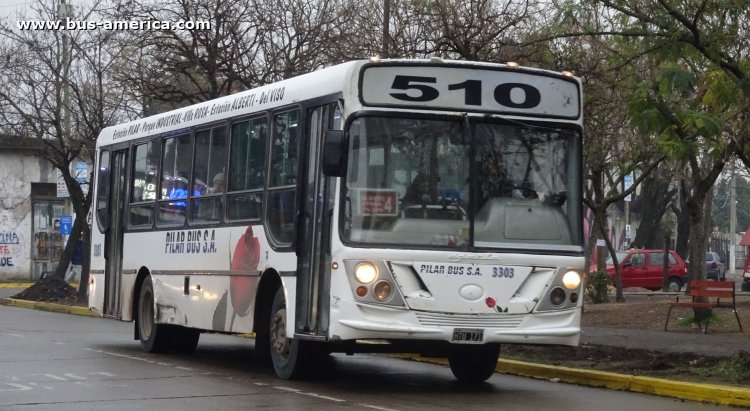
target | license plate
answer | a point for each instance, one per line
(468, 335)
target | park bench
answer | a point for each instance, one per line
(712, 292)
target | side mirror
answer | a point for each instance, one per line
(334, 153)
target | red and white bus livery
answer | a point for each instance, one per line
(430, 206)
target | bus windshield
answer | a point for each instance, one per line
(430, 182)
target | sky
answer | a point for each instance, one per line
(9, 8)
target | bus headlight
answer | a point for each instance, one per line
(571, 280)
(382, 291)
(557, 296)
(366, 272)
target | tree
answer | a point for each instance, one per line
(613, 147)
(696, 95)
(61, 95)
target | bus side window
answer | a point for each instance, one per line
(282, 188)
(207, 186)
(247, 159)
(144, 184)
(176, 159)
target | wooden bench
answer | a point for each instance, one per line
(707, 290)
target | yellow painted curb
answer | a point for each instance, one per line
(27, 285)
(717, 394)
(56, 308)
(16, 285)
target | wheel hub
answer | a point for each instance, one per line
(279, 342)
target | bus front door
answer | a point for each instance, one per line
(114, 237)
(313, 235)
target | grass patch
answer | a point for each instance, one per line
(713, 319)
(730, 369)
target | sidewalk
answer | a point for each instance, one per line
(705, 344)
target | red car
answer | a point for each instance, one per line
(643, 268)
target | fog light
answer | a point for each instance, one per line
(573, 298)
(365, 273)
(382, 291)
(361, 291)
(571, 280)
(557, 296)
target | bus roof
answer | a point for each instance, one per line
(323, 82)
(341, 78)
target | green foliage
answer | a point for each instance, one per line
(720, 211)
(597, 287)
(731, 369)
(690, 320)
(704, 123)
(672, 77)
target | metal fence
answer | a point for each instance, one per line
(721, 243)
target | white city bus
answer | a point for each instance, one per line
(423, 206)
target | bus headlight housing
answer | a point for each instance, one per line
(373, 283)
(571, 280)
(366, 272)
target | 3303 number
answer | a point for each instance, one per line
(502, 272)
(503, 93)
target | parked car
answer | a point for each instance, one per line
(746, 281)
(643, 268)
(715, 269)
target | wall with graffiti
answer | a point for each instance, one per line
(17, 172)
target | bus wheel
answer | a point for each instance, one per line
(286, 353)
(154, 337)
(185, 339)
(473, 363)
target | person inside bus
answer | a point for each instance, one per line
(493, 179)
(419, 192)
(217, 184)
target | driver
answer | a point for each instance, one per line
(419, 192)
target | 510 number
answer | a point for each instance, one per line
(472, 91)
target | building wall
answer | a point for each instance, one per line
(18, 169)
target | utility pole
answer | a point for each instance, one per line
(628, 181)
(65, 13)
(732, 217)
(386, 27)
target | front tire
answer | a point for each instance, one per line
(185, 340)
(473, 363)
(287, 354)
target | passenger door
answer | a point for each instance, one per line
(312, 243)
(114, 235)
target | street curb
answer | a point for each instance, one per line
(56, 308)
(717, 394)
(16, 285)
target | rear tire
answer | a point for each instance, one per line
(674, 285)
(155, 338)
(287, 354)
(473, 363)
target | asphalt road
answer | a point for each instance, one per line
(53, 361)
